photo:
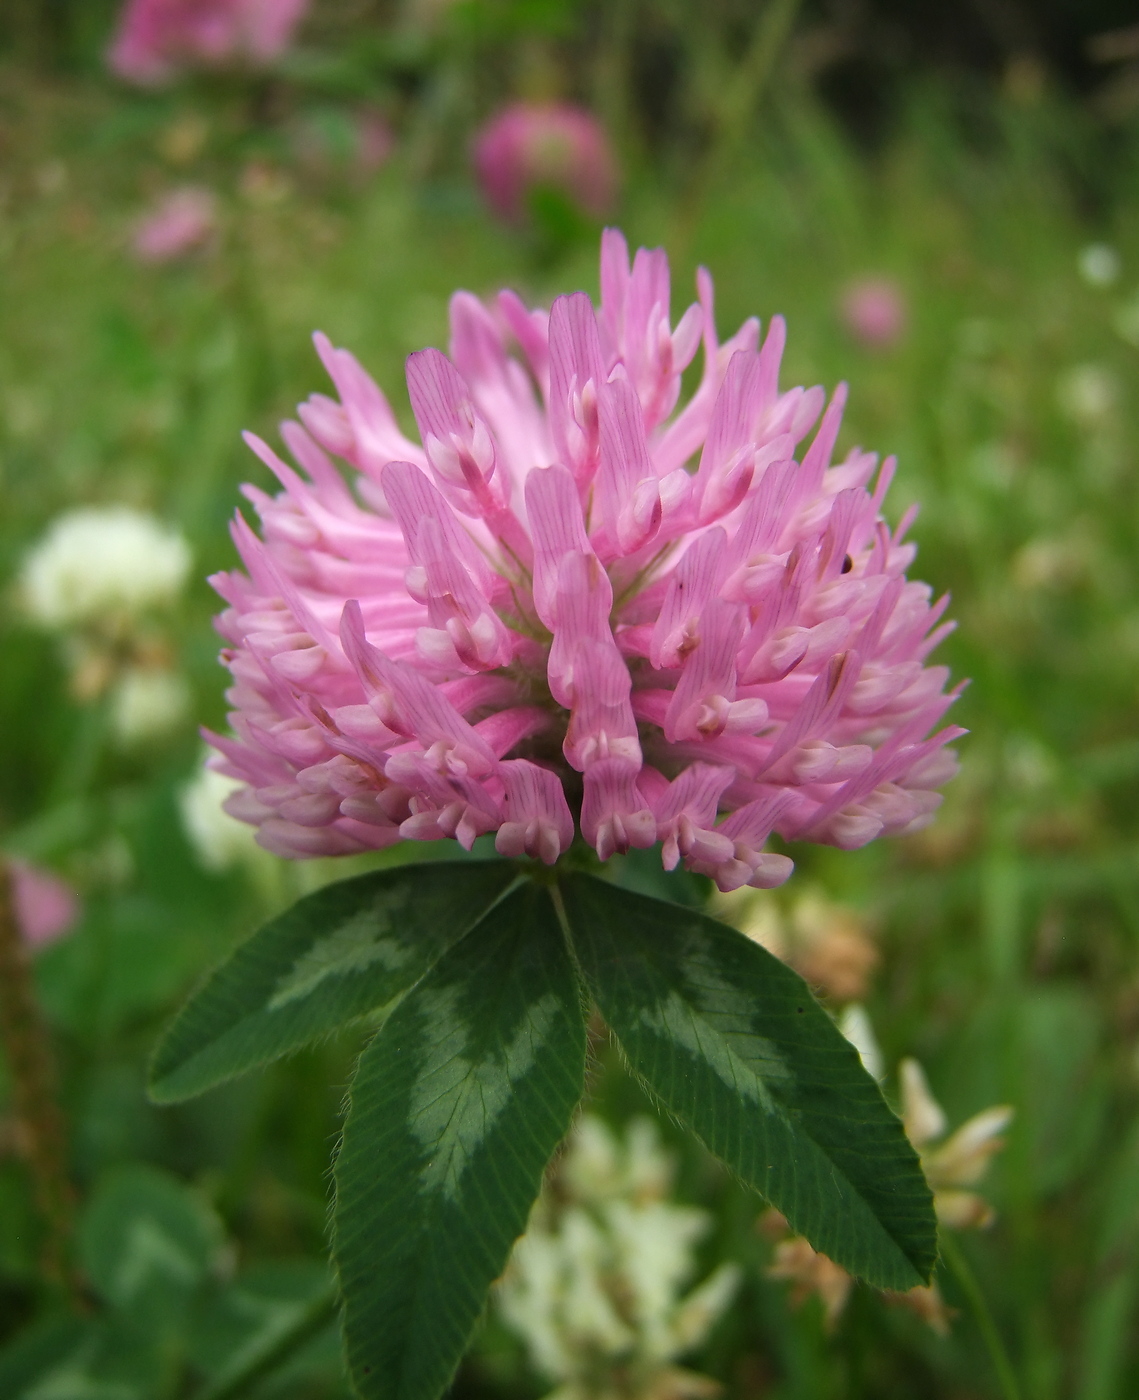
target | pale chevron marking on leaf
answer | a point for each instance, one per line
(726, 1006)
(696, 1005)
(149, 1250)
(455, 1105)
(354, 946)
(731, 1055)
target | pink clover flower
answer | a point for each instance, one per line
(529, 144)
(155, 39)
(575, 602)
(181, 221)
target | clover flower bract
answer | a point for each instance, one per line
(576, 603)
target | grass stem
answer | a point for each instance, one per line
(959, 1266)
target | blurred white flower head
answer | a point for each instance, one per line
(1099, 264)
(1052, 564)
(1087, 394)
(962, 1159)
(220, 841)
(595, 1286)
(102, 563)
(148, 703)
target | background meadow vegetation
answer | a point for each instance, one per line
(993, 180)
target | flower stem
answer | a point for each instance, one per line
(35, 1105)
(968, 1284)
(265, 1359)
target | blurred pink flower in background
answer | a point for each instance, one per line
(528, 146)
(179, 222)
(873, 310)
(46, 906)
(541, 617)
(157, 38)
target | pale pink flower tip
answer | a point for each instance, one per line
(575, 601)
(874, 311)
(529, 145)
(155, 39)
(46, 906)
(178, 223)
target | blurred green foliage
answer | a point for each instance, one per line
(1008, 931)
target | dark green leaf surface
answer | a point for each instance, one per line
(36, 1359)
(343, 951)
(733, 1043)
(457, 1106)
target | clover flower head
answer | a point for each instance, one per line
(596, 1286)
(573, 602)
(182, 220)
(45, 906)
(101, 565)
(147, 704)
(156, 38)
(533, 144)
(219, 841)
(874, 311)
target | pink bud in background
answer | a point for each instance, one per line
(530, 145)
(157, 38)
(873, 310)
(177, 224)
(46, 906)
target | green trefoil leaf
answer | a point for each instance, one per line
(731, 1041)
(347, 950)
(458, 1104)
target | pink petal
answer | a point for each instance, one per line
(45, 906)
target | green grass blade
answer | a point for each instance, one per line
(347, 949)
(732, 1042)
(457, 1106)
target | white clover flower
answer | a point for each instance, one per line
(959, 1161)
(147, 704)
(1087, 393)
(98, 564)
(595, 1286)
(220, 841)
(1099, 264)
(599, 1168)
